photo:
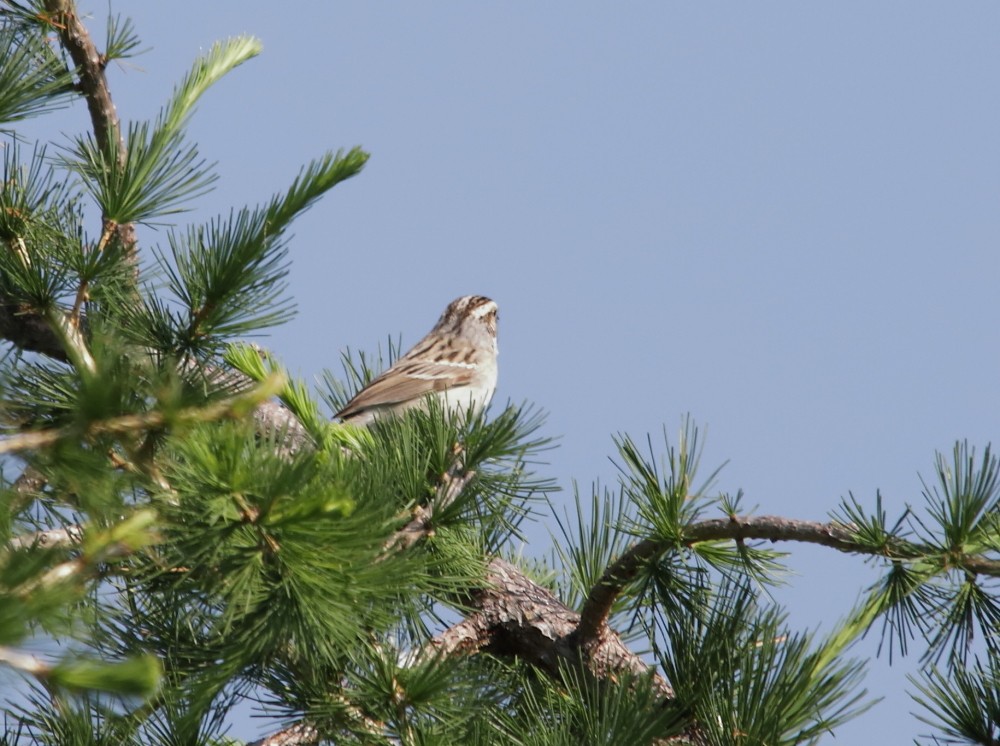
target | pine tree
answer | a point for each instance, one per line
(183, 529)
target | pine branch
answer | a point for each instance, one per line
(766, 528)
(515, 617)
(618, 575)
(31, 332)
(512, 602)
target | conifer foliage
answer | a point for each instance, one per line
(186, 537)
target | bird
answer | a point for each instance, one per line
(456, 362)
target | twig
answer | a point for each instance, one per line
(236, 405)
(90, 67)
(76, 346)
(300, 734)
(93, 84)
(24, 662)
(50, 539)
(55, 576)
(421, 524)
(19, 247)
(25, 488)
(305, 734)
(83, 292)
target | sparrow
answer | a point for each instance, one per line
(456, 363)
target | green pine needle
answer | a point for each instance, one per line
(33, 80)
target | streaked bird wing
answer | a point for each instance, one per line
(411, 379)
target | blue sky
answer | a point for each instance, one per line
(779, 217)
